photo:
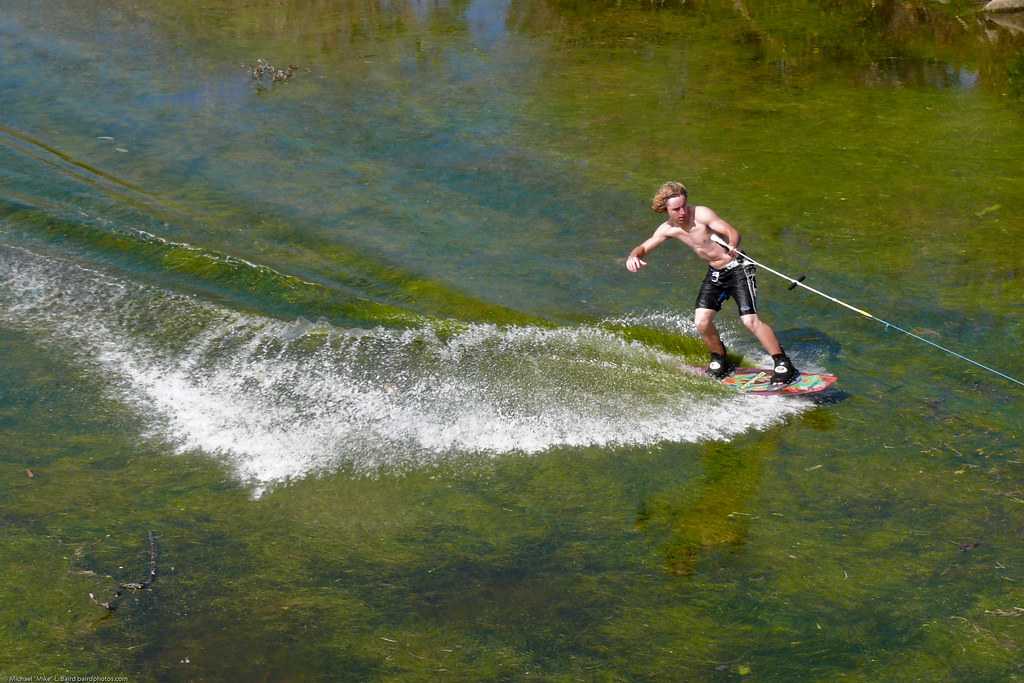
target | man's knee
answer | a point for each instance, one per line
(705, 322)
(752, 322)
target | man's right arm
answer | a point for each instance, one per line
(634, 261)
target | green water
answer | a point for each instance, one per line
(358, 347)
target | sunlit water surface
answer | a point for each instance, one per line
(357, 346)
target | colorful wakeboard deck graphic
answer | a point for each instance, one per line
(758, 381)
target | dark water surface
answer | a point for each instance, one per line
(358, 348)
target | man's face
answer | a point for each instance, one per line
(676, 207)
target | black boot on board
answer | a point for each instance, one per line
(720, 367)
(784, 371)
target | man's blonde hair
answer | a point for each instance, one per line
(666, 192)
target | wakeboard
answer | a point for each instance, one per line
(758, 381)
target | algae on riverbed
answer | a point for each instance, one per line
(359, 349)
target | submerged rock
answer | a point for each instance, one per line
(1014, 23)
(1004, 6)
(263, 70)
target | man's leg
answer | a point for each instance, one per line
(744, 289)
(784, 371)
(763, 332)
(719, 367)
(704, 318)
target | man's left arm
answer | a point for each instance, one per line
(721, 228)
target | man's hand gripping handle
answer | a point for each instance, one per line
(718, 240)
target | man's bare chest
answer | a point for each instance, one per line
(697, 236)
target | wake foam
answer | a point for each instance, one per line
(280, 400)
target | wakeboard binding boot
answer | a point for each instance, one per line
(784, 371)
(720, 366)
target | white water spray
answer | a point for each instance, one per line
(280, 400)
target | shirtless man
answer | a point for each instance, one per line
(727, 275)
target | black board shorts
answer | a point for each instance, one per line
(738, 282)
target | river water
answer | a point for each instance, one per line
(357, 350)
